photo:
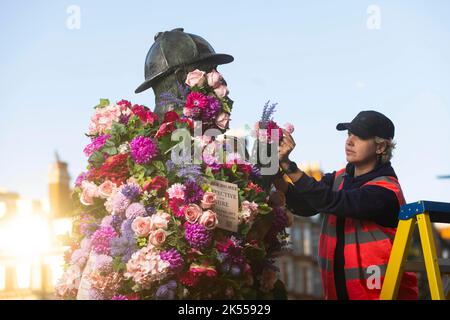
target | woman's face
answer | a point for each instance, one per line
(358, 150)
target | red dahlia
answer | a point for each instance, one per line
(115, 168)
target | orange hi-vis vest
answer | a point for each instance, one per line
(366, 251)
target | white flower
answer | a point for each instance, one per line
(124, 148)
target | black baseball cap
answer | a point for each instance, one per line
(368, 124)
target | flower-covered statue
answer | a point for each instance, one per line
(147, 227)
(150, 220)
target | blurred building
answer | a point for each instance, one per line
(59, 189)
(299, 269)
(30, 253)
(8, 204)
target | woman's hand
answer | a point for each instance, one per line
(287, 145)
(281, 184)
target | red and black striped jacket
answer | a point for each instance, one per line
(358, 228)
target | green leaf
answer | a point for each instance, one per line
(109, 144)
(260, 197)
(241, 198)
(118, 130)
(165, 143)
(226, 108)
(170, 148)
(110, 148)
(244, 229)
(96, 159)
(103, 103)
(111, 151)
(142, 242)
(237, 176)
(159, 167)
(172, 241)
(209, 173)
(255, 253)
(223, 177)
(181, 125)
(118, 265)
(149, 171)
(226, 105)
(251, 194)
(134, 121)
(138, 170)
(264, 209)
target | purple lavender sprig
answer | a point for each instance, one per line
(170, 98)
(268, 112)
(183, 89)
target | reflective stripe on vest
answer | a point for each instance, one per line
(352, 273)
(360, 236)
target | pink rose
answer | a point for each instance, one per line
(133, 263)
(209, 200)
(86, 199)
(176, 191)
(249, 206)
(142, 226)
(70, 281)
(106, 189)
(157, 237)
(90, 187)
(214, 79)
(103, 119)
(246, 216)
(209, 220)
(192, 213)
(195, 78)
(110, 201)
(90, 191)
(289, 127)
(160, 220)
(188, 112)
(221, 91)
(223, 120)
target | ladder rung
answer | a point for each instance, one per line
(438, 211)
(419, 266)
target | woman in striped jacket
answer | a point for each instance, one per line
(359, 204)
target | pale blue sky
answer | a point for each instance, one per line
(318, 60)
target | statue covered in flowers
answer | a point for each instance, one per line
(148, 225)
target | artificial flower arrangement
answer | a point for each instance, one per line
(147, 227)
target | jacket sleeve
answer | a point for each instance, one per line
(368, 202)
(297, 203)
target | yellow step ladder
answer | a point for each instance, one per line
(423, 213)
